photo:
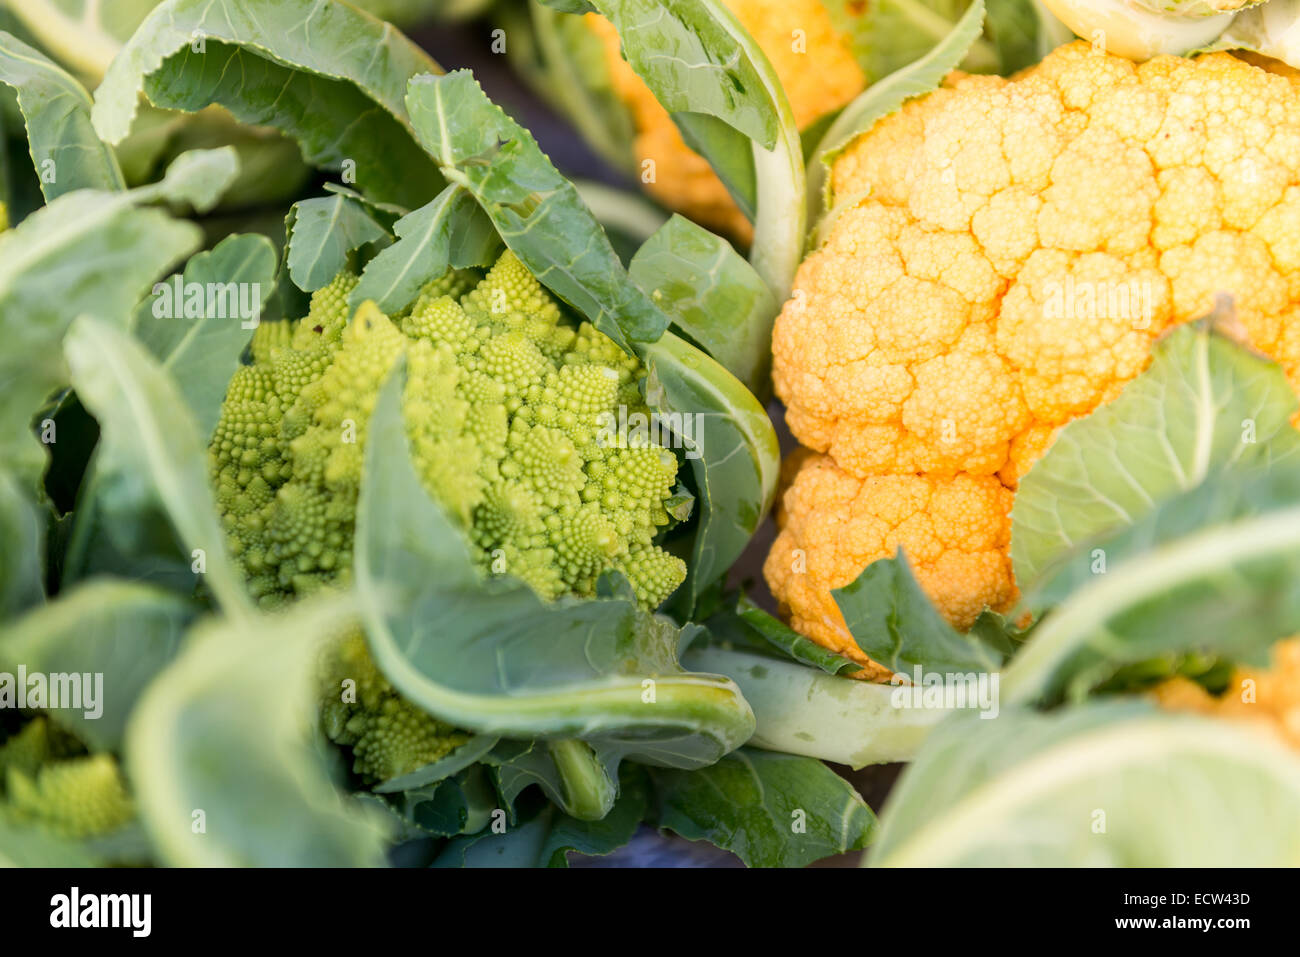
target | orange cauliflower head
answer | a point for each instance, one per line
(1269, 697)
(817, 69)
(1002, 257)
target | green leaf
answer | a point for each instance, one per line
(518, 846)
(22, 548)
(801, 710)
(65, 150)
(1026, 789)
(712, 295)
(327, 75)
(493, 657)
(461, 804)
(226, 730)
(536, 210)
(1208, 571)
(567, 771)
(445, 767)
(1022, 32)
(121, 631)
(896, 624)
(604, 836)
(729, 152)
(450, 231)
(699, 61)
(562, 58)
(197, 178)
(149, 434)
(202, 352)
(548, 837)
(101, 253)
(1204, 403)
(325, 230)
(879, 100)
(769, 809)
(690, 56)
(780, 635)
(731, 446)
(889, 34)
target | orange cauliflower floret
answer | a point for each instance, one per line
(1270, 697)
(816, 67)
(834, 524)
(1007, 253)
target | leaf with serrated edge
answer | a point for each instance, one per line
(326, 74)
(325, 230)
(1185, 416)
(430, 240)
(749, 801)
(536, 210)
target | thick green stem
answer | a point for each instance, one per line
(802, 710)
(588, 791)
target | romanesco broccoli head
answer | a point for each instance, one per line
(510, 413)
(46, 778)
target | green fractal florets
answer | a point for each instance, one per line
(361, 710)
(507, 410)
(47, 778)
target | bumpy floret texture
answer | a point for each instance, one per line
(817, 69)
(1003, 256)
(512, 415)
(388, 735)
(49, 780)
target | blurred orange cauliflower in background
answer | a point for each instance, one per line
(1270, 697)
(1001, 257)
(817, 69)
